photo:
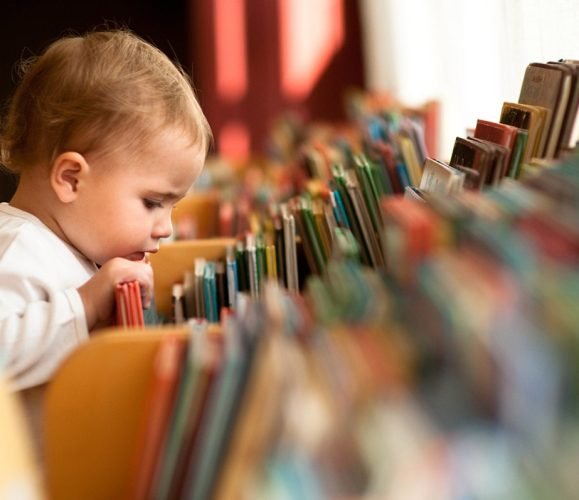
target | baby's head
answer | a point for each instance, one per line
(96, 93)
(110, 128)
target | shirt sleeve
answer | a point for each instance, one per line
(39, 327)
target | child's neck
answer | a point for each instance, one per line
(34, 195)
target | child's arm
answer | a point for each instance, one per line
(98, 293)
(41, 325)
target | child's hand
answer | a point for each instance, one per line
(98, 293)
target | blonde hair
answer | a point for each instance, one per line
(96, 92)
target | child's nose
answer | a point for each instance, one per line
(163, 227)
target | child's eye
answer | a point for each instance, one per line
(150, 204)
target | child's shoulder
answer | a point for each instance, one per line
(21, 233)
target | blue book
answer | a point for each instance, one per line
(403, 177)
(232, 278)
(210, 293)
(339, 210)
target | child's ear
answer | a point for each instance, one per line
(68, 171)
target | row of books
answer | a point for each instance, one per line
(541, 126)
(345, 181)
(456, 362)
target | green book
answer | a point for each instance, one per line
(312, 235)
(518, 152)
(340, 183)
(368, 192)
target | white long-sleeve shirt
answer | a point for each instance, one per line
(42, 318)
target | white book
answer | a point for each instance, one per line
(440, 177)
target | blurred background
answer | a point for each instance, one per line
(253, 60)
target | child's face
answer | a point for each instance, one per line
(124, 208)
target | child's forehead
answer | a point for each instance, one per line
(140, 144)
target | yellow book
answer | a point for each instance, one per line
(527, 116)
(410, 159)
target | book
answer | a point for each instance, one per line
(414, 193)
(312, 234)
(499, 161)
(290, 252)
(210, 293)
(220, 411)
(252, 266)
(129, 309)
(518, 153)
(339, 181)
(232, 278)
(322, 228)
(440, 177)
(528, 117)
(200, 365)
(560, 115)
(410, 156)
(241, 264)
(370, 238)
(541, 86)
(221, 285)
(178, 301)
(369, 190)
(497, 133)
(249, 442)
(199, 287)
(474, 159)
(569, 133)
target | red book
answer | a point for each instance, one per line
(129, 308)
(499, 133)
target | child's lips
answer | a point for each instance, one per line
(137, 256)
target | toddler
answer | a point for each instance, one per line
(106, 136)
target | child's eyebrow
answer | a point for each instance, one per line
(166, 195)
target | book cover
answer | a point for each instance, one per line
(340, 183)
(528, 117)
(498, 133)
(408, 153)
(290, 251)
(500, 158)
(474, 159)
(542, 87)
(570, 133)
(199, 287)
(210, 292)
(321, 223)
(370, 237)
(312, 233)
(518, 153)
(570, 116)
(232, 278)
(440, 177)
(129, 309)
(369, 190)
